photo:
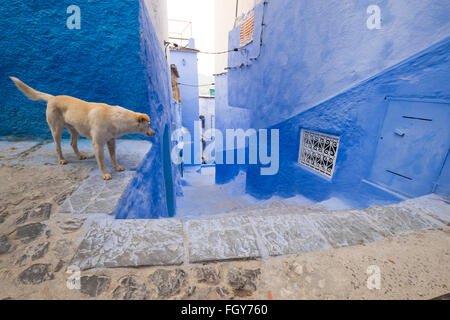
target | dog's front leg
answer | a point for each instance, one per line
(74, 143)
(99, 149)
(112, 153)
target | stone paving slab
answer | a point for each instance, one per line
(125, 243)
(46, 155)
(113, 243)
(221, 239)
(270, 205)
(12, 149)
(129, 154)
(395, 220)
(288, 234)
(297, 200)
(228, 205)
(345, 229)
(96, 195)
(431, 205)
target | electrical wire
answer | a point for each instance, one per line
(260, 43)
(220, 52)
(199, 51)
(232, 50)
(193, 85)
(262, 31)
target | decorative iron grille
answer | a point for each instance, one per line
(318, 151)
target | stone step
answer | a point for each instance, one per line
(287, 206)
(95, 195)
(129, 154)
(223, 238)
(123, 243)
(235, 206)
(113, 243)
(10, 150)
(434, 205)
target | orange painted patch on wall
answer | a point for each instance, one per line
(247, 29)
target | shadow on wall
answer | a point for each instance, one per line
(228, 117)
(357, 116)
(299, 78)
(186, 63)
(145, 196)
(315, 50)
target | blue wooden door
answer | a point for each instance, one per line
(168, 179)
(412, 147)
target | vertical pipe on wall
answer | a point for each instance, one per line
(237, 8)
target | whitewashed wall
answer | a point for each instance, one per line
(158, 13)
(225, 13)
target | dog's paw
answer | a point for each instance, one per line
(62, 161)
(120, 168)
(81, 157)
(106, 176)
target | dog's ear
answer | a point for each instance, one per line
(143, 117)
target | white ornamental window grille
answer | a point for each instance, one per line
(318, 151)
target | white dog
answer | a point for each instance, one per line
(99, 122)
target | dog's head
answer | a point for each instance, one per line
(144, 125)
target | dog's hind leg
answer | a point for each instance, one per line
(112, 154)
(74, 135)
(99, 149)
(56, 123)
(57, 128)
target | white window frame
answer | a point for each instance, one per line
(308, 150)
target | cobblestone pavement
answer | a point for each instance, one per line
(279, 252)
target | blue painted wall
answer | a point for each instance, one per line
(443, 186)
(314, 50)
(146, 196)
(207, 110)
(186, 62)
(413, 144)
(100, 62)
(228, 118)
(357, 116)
(321, 68)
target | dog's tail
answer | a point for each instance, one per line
(29, 92)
